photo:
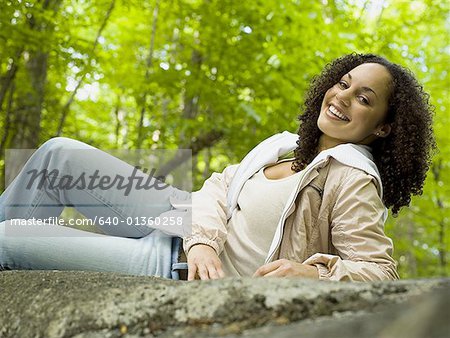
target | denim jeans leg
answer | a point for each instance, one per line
(73, 249)
(148, 251)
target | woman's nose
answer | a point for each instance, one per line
(343, 98)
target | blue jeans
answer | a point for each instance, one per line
(129, 246)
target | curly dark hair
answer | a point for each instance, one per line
(404, 156)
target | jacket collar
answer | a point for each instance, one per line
(268, 151)
(356, 156)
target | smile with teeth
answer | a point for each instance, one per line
(337, 113)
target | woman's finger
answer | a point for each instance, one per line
(274, 273)
(267, 268)
(212, 272)
(218, 266)
(203, 272)
(192, 270)
(220, 272)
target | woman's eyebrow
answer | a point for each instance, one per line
(366, 89)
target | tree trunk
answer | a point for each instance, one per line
(442, 251)
(143, 99)
(118, 120)
(27, 110)
(207, 157)
(9, 78)
(6, 129)
(411, 258)
(24, 113)
(437, 169)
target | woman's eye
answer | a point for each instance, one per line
(363, 100)
(342, 84)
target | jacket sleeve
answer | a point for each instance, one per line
(364, 252)
(209, 211)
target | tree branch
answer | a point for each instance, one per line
(65, 109)
(196, 145)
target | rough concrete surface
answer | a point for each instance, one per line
(90, 304)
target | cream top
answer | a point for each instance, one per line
(251, 229)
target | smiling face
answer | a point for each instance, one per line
(354, 109)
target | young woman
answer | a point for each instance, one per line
(310, 205)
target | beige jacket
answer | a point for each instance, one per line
(334, 220)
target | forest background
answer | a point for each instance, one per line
(217, 77)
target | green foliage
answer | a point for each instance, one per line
(234, 69)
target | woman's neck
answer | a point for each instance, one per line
(326, 142)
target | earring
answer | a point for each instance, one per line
(378, 133)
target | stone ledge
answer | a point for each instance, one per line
(92, 304)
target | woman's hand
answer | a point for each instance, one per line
(204, 262)
(287, 268)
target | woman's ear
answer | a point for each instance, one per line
(384, 131)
